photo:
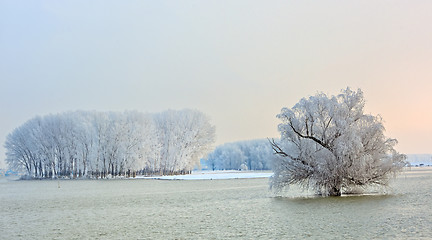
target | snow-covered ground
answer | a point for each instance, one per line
(210, 175)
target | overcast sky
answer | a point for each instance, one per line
(239, 62)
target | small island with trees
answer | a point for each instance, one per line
(109, 144)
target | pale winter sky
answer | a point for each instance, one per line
(239, 62)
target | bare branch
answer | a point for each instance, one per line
(309, 137)
(276, 148)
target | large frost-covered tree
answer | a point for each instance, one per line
(330, 145)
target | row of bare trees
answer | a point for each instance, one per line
(108, 144)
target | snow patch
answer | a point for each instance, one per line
(213, 175)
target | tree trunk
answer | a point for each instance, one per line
(335, 191)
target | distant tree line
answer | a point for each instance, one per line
(108, 144)
(242, 155)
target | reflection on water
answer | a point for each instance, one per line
(205, 209)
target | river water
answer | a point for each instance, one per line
(210, 209)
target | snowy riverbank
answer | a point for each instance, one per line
(213, 175)
(232, 174)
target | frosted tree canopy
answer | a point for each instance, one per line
(242, 155)
(109, 144)
(330, 145)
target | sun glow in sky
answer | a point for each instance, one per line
(239, 62)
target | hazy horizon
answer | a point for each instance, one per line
(238, 62)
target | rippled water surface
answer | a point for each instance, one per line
(209, 209)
